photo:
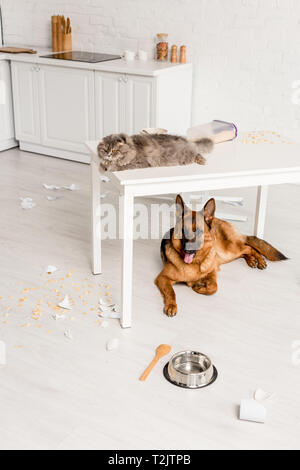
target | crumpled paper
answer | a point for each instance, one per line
(27, 203)
(66, 303)
(53, 187)
(108, 309)
(52, 198)
(72, 187)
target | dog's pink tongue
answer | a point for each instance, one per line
(188, 258)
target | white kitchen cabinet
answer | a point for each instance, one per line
(54, 109)
(60, 105)
(66, 107)
(140, 105)
(109, 104)
(124, 103)
(7, 132)
(26, 105)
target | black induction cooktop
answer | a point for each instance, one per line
(82, 56)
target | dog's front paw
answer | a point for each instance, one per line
(251, 261)
(261, 263)
(170, 309)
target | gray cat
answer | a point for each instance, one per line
(122, 152)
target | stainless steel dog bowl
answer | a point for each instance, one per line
(190, 369)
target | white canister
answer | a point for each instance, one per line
(129, 55)
(142, 55)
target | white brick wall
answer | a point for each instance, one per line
(245, 52)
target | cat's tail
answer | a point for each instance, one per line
(204, 145)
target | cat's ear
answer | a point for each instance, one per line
(209, 211)
(125, 138)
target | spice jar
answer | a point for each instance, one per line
(182, 58)
(162, 47)
(174, 54)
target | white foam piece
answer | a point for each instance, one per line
(51, 187)
(112, 344)
(68, 334)
(252, 410)
(104, 178)
(261, 395)
(51, 269)
(110, 314)
(66, 303)
(27, 203)
(104, 308)
(72, 187)
(105, 302)
(2, 353)
(56, 316)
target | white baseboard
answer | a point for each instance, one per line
(53, 152)
(8, 144)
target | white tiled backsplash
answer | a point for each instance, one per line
(245, 52)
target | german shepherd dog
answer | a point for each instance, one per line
(198, 245)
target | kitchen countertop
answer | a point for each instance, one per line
(147, 68)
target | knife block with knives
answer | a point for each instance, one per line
(61, 34)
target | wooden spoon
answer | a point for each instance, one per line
(161, 351)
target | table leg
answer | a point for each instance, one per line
(126, 226)
(261, 208)
(95, 218)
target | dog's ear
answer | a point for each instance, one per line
(180, 207)
(209, 211)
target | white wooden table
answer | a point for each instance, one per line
(231, 165)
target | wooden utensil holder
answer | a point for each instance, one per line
(67, 42)
(54, 33)
(61, 34)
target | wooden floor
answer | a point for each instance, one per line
(58, 393)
